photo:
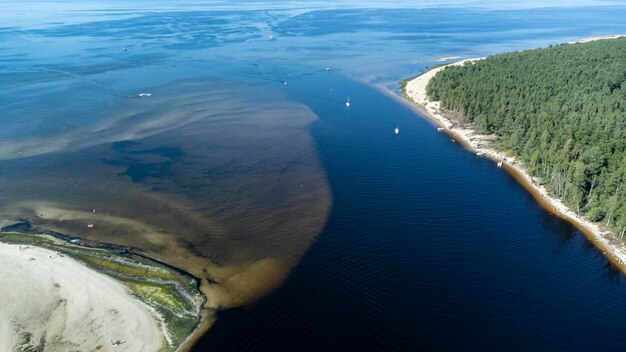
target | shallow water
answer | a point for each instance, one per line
(231, 174)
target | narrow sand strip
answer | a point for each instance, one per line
(54, 303)
(591, 39)
(612, 247)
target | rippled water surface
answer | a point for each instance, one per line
(245, 168)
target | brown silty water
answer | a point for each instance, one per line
(225, 186)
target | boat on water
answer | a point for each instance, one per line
(348, 102)
(499, 164)
(439, 129)
(480, 153)
(397, 130)
(141, 95)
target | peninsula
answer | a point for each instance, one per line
(554, 117)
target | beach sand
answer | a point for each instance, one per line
(611, 246)
(591, 39)
(53, 303)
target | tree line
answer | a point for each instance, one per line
(561, 110)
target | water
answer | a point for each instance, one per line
(368, 240)
(429, 251)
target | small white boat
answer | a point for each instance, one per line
(271, 37)
(439, 129)
(123, 49)
(348, 102)
(284, 82)
(141, 95)
(397, 130)
(327, 68)
(453, 140)
(480, 153)
(499, 164)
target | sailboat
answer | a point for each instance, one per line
(348, 102)
(397, 130)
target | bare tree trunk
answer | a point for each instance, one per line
(593, 183)
(608, 220)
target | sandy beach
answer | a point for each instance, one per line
(58, 304)
(591, 39)
(613, 248)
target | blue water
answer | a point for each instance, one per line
(415, 244)
(429, 250)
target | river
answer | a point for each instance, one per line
(311, 224)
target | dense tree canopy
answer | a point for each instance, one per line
(561, 110)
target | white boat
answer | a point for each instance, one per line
(348, 102)
(499, 164)
(397, 130)
(141, 95)
(480, 153)
(327, 68)
(439, 129)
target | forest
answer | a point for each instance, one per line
(561, 110)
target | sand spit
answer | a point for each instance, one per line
(613, 248)
(54, 303)
(591, 39)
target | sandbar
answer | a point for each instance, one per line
(52, 302)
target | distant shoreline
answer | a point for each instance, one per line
(415, 90)
(591, 39)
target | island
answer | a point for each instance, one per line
(554, 117)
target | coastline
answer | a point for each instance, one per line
(591, 39)
(415, 91)
(48, 284)
(143, 304)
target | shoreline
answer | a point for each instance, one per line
(591, 39)
(168, 295)
(46, 282)
(415, 91)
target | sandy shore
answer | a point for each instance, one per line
(606, 241)
(591, 39)
(57, 304)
